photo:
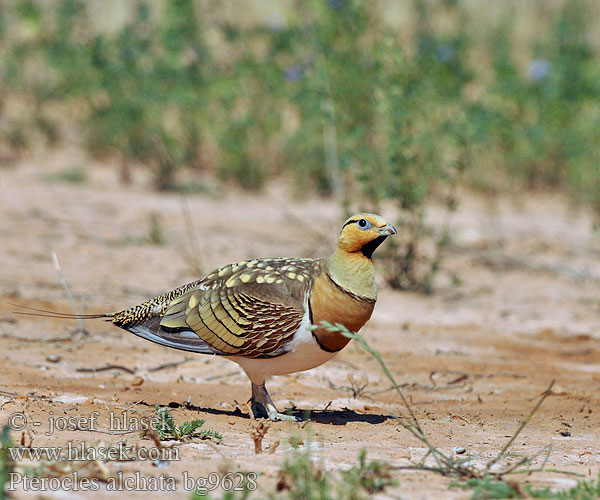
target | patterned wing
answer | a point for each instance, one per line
(247, 309)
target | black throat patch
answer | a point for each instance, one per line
(370, 247)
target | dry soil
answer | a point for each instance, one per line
(472, 358)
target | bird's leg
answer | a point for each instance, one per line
(263, 406)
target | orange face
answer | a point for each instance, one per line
(364, 233)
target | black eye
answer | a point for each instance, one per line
(364, 224)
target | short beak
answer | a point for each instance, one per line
(387, 230)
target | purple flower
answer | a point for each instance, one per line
(444, 53)
(538, 69)
(335, 4)
(293, 73)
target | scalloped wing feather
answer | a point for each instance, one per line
(250, 308)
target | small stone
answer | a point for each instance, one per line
(565, 434)
(53, 358)
(459, 450)
(137, 381)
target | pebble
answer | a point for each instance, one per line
(459, 450)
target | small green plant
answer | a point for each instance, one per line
(167, 429)
(74, 174)
(489, 488)
(373, 477)
(243, 484)
(6, 463)
(243, 494)
(155, 229)
(300, 478)
(583, 490)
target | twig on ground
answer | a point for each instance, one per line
(110, 433)
(9, 399)
(460, 375)
(221, 376)
(133, 371)
(132, 405)
(173, 364)
(454, 415)
(35, 339)
(105, 368)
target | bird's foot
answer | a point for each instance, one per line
(276, 416)
(259, 410)
(263, 406)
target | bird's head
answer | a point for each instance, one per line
(363, 233)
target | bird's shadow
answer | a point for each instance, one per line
(329, 417)
(340, 417)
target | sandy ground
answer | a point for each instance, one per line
(473, 358)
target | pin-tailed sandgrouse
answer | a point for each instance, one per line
(258, 313)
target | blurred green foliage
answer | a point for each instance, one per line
(546, 123)
(334, 96)
(6, 463)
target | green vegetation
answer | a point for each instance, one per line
(300, 478)
(6, 463)
(373, 477)
(188, 430)
(71, 175)
(243, 494)
(584, 490)
(338, 95)
(155, 229)
(487, 488)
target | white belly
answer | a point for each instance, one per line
(304, 354)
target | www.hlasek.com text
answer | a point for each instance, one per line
(82, 452)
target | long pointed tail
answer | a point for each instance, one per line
(56, 314)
